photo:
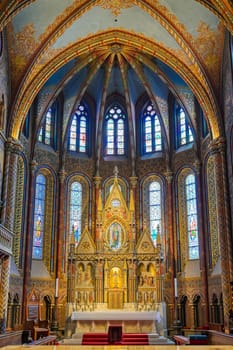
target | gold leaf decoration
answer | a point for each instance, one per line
(115, 5)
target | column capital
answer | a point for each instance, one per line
(62, 175)
(218, 145)
(133, 181)
(97, 181)
(33, 166)
(13, 146)
(197, 165)
(169, 176)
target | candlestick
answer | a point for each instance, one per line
(56, 287)
(175, 288)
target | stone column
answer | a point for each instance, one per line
(98, 212)
(10, 181)
(60, 263)
(133, 184)
(203, 252)
(170, 253)
(224, 228)
(28, 238)
(4, 286)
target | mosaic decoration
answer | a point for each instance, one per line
(115, 5)
(212, 211)
(17, 245)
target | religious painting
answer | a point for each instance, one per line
(115, 236)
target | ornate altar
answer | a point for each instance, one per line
(114, 270)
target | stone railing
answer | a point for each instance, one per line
(6, 240)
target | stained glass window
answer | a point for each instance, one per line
(192, 224)
(152, 138)
(39, 216)
(76, 210)
(115, 131)
(155, 209)
(78, 130)
(45, 134)
(184, 132)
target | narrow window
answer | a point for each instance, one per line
(184, 132)
(77, 140)
(76, 210)
(192, 225)
(45, 134)
(155, 209)
(39, 218)
(115, 131)
(152, 138)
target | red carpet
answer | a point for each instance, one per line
(95, 339)
(127, 339)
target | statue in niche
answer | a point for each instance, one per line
(115, 277)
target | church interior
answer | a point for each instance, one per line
(116, 169)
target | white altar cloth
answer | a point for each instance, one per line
(114, 315)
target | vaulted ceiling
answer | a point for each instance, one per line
(102, 47)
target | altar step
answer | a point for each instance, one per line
(134, 339)
(95, 339)
(126, 339)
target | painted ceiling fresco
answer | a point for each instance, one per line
(53, 42)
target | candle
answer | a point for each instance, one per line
(56, 287)
(175, 287)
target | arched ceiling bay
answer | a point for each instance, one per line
(183, 40)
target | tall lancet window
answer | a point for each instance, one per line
(152, 138)
(45, 134)
(155, 209)
(184, 132)
(39, 217)
(115, 123)
(192, 224)
(76, 210)
(77, 140)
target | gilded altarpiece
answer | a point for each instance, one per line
(110, 269)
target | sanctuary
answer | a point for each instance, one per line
(116, 276)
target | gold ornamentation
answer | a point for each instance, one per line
(115, 5)
(145, 246)
(86, 246)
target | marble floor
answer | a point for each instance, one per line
(120, 347)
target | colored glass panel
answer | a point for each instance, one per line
(39, 218)
(192, 225)
(115, 131)
(185, 134)
(45, 134)
(76, 210)
(78, 130)
(152, 138)
(155, 209)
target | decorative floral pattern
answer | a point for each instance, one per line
(115, 5)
